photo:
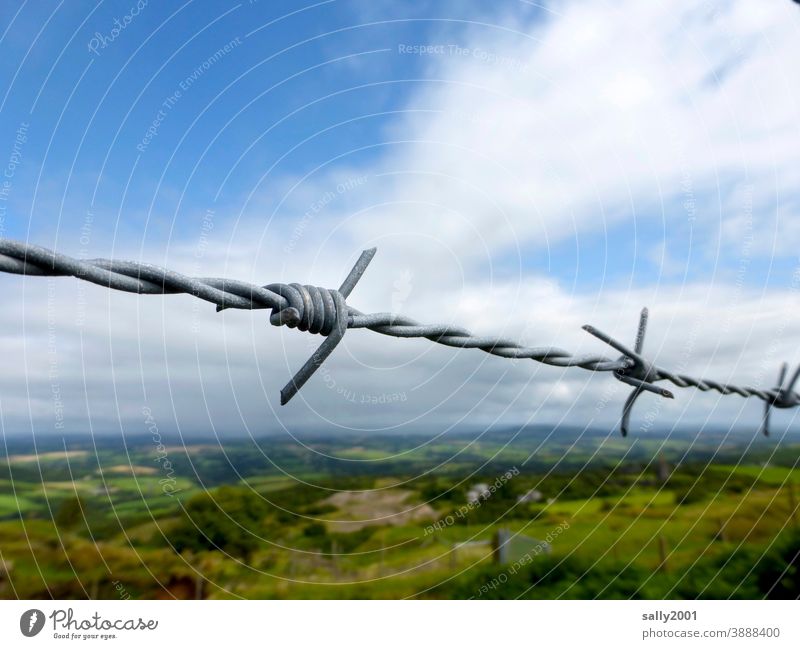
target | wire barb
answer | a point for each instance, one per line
(639, 373)
(331, 311)
(784, 397)
(326, 312)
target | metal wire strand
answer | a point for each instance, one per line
(320, 310)
(313, 308)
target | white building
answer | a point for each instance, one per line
(530, 496)
(477, 493)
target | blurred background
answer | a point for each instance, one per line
(523, 169)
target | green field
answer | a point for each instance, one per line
(687, 519)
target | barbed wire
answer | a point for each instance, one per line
(325, 311)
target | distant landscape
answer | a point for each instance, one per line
(532, 512)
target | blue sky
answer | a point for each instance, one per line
(293, 72)
(556, 163)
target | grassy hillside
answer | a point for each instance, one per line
(585, 514)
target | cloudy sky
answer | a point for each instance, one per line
(523, 168)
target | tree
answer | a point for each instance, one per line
(69, 513)
(229, 519)
(779, 571)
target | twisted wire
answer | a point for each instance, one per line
(308, 308)
(391, 324)
(319, 311)
(706, 385)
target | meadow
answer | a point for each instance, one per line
(536, 513)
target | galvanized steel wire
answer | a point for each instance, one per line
(325, 311)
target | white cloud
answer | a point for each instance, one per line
(597, 115)
(614, 108)
(225, 372)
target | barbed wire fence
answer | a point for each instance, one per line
(324, 311)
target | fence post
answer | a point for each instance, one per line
(662, 553)
(500, 546)
(792, 502)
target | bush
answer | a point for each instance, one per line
(745, 573)
(69, 513)
(778, 574)
(548, 578)
(228, 519)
